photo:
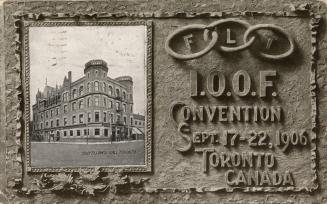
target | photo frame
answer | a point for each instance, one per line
(124, 141)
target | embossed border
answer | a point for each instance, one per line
(148, 84)
(303, 11)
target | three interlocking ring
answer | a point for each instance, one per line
(250, 29)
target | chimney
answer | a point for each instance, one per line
(70, 76)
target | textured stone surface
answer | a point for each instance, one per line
(170, 168)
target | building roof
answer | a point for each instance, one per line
(124, 78)
(139, 117)
(96, 63)
(47, 91)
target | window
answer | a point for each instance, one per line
(88, 75)
(135, 122)
(124, 95)
(81, 104)
(71, 133)
(104, 101)
(81, 118)
(89, 87)
(57, 111)
(74, 106)
(89, 102)
(51, 113)
(118, 132)
(111, 118)
(65, 133)
(117, 106)
(74, 119)
(117, 93)
(42, 116)
(125, 120)
(41, 125)
(96, 101)
(118, 119)
(57, 123)
(106, 132)
(81, 90)
(110, 90)
(96, 73)
(110, 104)
(46, 114)
(47, 124)
(65, 108)
(78, 133)
(124, 107)
(65, 96)
(104, 117)
(74, 93)
(104, 74)
(89, 117)
(85, 131)
(96, 131)
(104, 87)
(113, 133)
(96, 86)
(131, 121)
(65, 121)
(96, 117)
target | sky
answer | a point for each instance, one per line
(56, 50)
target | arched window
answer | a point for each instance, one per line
(124, 95)
(117, 106)
(110, 104)
(81, 90)
(110, 90)
(96, 86)
(81, 104)
(65, 108)
(74, 119)
(117, 93)
(96, 100)
(89, 102)
(65, 96)
(74, 106)
(74, 93)
(104, 101)
(104, 87)
(89, 87)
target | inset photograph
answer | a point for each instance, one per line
(88, 95)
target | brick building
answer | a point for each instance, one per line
(92, 108)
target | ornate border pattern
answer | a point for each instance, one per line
(148, 70)
(303, 11)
